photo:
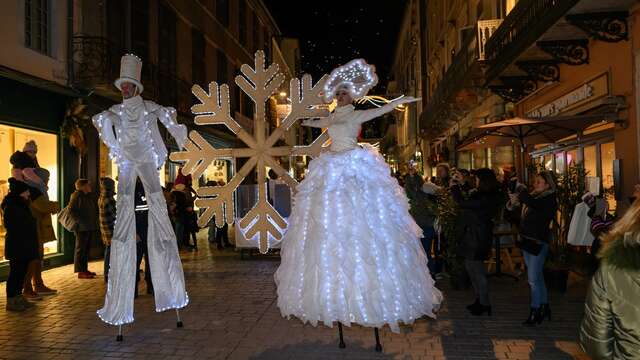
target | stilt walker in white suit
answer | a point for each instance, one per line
(130, 131)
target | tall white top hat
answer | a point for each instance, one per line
(130, 69)
(356, 76)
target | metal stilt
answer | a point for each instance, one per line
(378, 345)
(179, 321)
(119, 336)
(341, 345)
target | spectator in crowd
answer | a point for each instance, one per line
(31, 149)
(222, 233)
(180, 214)
(166, 191)
(442, 175)
(211, 232)
(42, 209)
(142, 227)
(191, 227)
(107, 212)
(474, 230)
(420, 208)
(84, 209)
(21, 241)
(538, 211)
(611, 321)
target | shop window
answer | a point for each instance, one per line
(548, 162)
(13, 139)
(502, 157)
(607, 156)
(590, 160)
(572, 157)
(560, 163)
(464, 160)
(479, 158)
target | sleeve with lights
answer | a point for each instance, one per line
(370, 114)
(316, 123)
(167, 115)
(105, 122)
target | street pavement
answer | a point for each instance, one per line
(233, 315)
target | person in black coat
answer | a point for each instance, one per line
(538, 211)
(474, 231)
(142, 228)
(21, 241)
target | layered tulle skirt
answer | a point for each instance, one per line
(352, 252)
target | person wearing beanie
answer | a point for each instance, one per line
(21, 241)
(41, 209)
(107, 215)
(84, 209)
(31, 149)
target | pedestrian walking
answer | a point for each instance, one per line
(84, 209)
(21, 241)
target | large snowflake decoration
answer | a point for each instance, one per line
(262, 222)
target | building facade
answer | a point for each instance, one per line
(58, 52)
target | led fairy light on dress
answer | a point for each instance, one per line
(356, 76)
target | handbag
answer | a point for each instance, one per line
(66, 219)
(529, 245)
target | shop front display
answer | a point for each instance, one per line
(13, 139)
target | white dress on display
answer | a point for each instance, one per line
(352, 251)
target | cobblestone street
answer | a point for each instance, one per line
(233, 315)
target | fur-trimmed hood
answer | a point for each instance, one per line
(622, 254)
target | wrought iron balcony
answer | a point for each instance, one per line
(457, 76)
(528, 20)
(96, 64)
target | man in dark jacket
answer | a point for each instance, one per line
(84, 208)
(21, 241)
(142, 227)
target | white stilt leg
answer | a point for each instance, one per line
(179, 321)
(119, 337)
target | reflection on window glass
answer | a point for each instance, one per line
(572, 157)
(607, 156)
(13, 139)
(560, 163)
(590, 160)
(548, 162)
(464, 160)
(479, 158)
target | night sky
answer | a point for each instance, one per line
(333, 32)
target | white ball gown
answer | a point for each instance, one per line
(352, 252)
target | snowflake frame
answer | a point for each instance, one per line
(258, 83)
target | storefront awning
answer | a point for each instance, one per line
(532, 131)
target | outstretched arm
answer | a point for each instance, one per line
(319, 123)
(104, 123)
(167, 116)
(366, 115)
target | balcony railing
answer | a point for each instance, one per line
(96, 64)
(528, 20)
(486, 28)
(453, 80)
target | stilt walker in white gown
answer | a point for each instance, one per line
(130, 131)
(352, 251)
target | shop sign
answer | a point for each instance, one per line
(589, 91)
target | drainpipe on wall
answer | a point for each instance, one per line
(70, 70)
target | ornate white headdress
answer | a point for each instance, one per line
(130, 70)
(356, 76)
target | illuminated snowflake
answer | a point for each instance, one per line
(262, 222)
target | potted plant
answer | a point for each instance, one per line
(570, 188)
(75, 122)
(446, 214)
